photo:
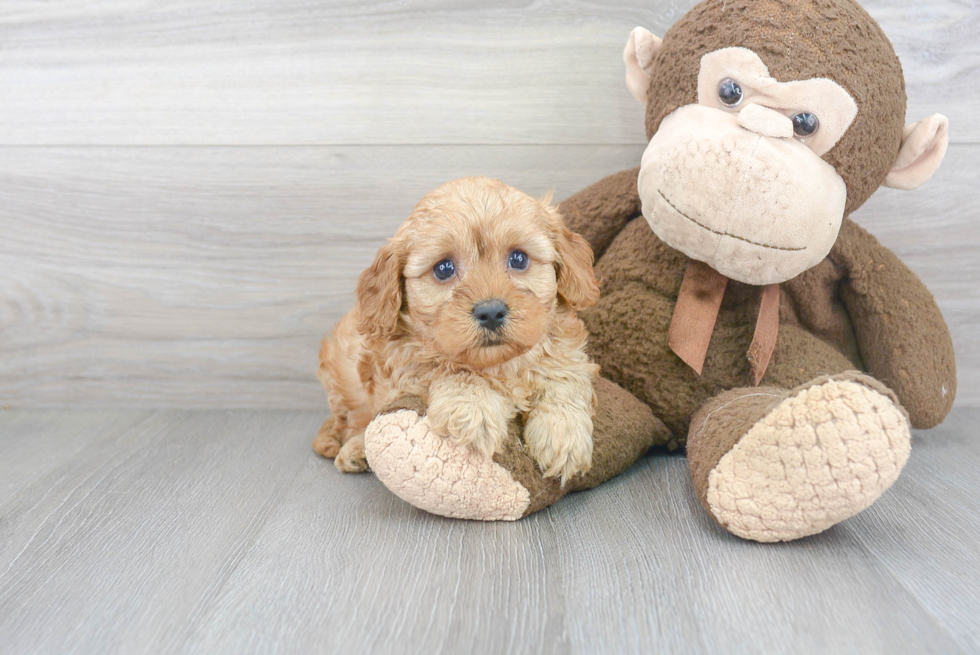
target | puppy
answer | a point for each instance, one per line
(472, 306)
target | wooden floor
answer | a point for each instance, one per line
(169, 531)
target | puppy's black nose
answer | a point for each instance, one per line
(490, 313)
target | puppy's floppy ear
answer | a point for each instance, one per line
(576, 278)
(379, 293)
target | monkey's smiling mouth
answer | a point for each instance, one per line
(726, 234)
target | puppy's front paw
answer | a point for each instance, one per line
(470, 422)
(327, 442)
(351, 458)
(560, 440)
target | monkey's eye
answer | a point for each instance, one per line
(518, 260)
(730, 92)
(444, 270)
(805, 124)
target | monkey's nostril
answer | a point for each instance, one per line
(490, 314)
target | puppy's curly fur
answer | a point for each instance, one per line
(411, 333)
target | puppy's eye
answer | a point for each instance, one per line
(805, 124)
(444, 270)
(518, 260)
(730, 92)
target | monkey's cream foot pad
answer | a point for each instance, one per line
(820, 456)
(433, 473)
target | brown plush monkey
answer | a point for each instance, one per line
(743, 315)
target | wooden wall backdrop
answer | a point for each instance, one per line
(189, 189)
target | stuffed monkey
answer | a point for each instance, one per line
(743, 315)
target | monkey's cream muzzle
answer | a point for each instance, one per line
(756, 208)
(731, 186)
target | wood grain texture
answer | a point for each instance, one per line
(926, 533)
(206, 276)
(218, 532)
(43, 445)
(409, 72)
(202, 277)
(119, 548)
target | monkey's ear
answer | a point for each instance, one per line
(923, 148)
(641, 51)
(379, 293)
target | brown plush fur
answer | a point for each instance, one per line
(859, 309)
(624, 430)
(411, 334)
(818, 333)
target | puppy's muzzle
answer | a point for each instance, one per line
(490, 314)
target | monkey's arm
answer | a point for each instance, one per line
(600, 211)
(902, 336)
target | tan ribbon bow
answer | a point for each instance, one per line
(698, 303)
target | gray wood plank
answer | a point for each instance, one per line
(345, 566)
(116, 550)
(204, 277)
(682, 584)
(34, 442)
(925, 530)
(378, 72)
(219, 532)
(633, 566)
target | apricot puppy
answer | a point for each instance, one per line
(472, 306)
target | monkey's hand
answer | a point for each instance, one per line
(901, 334)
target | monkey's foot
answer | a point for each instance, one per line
(432, 472)
(776, 465)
